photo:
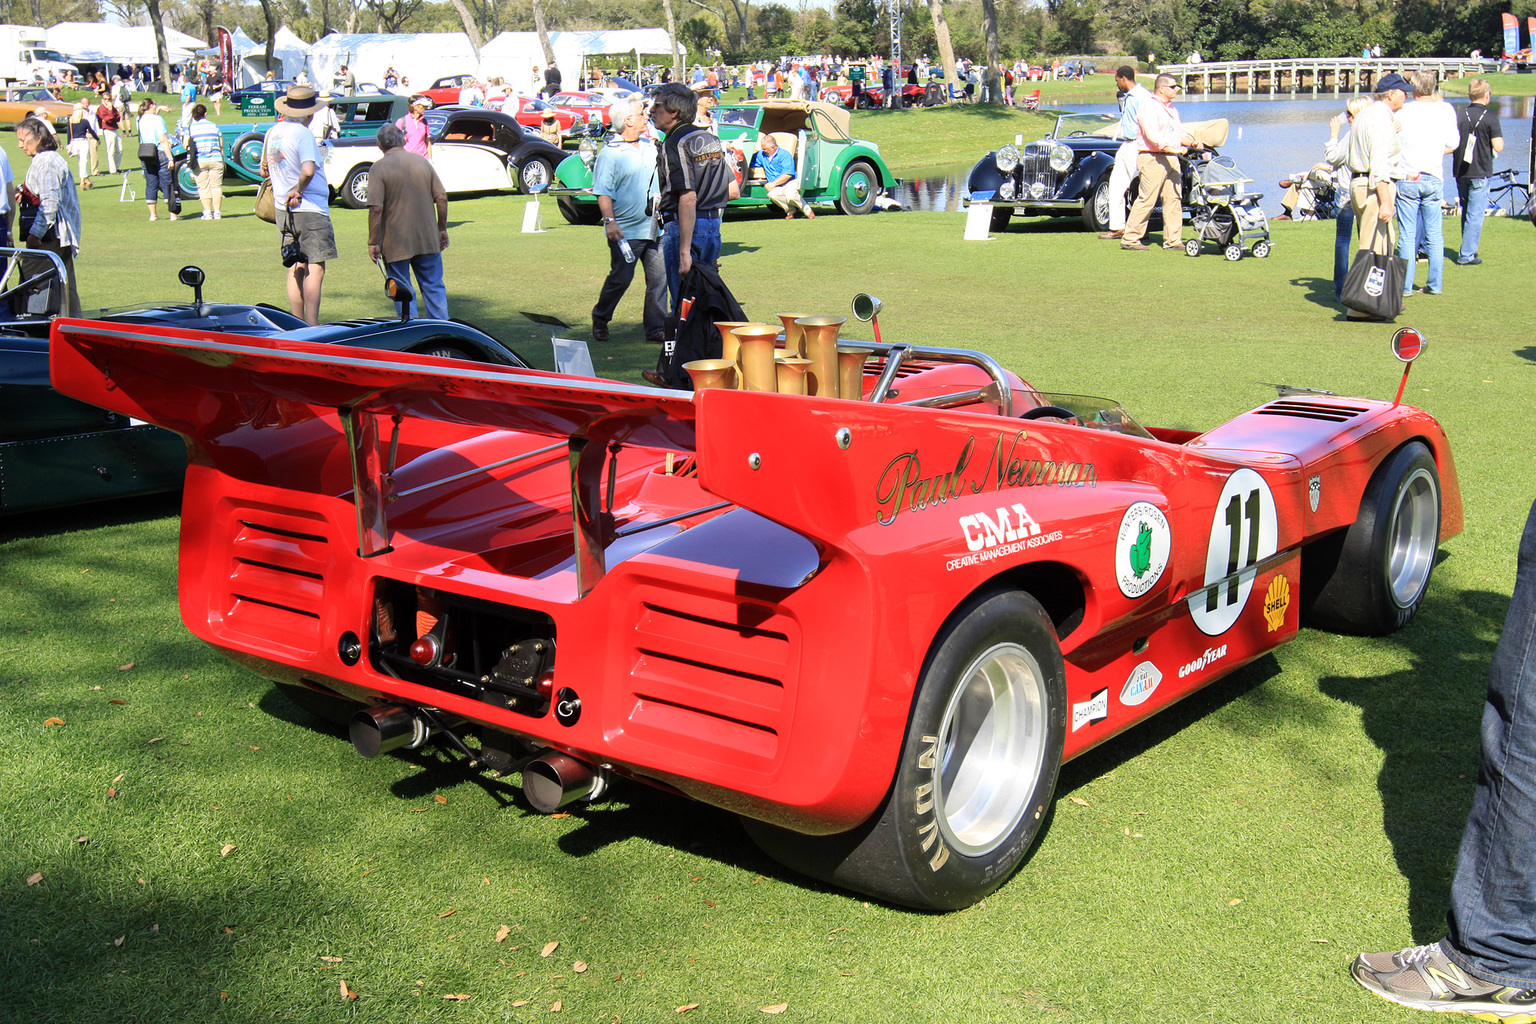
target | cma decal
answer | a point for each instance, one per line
(1007, 532)
(903, 485)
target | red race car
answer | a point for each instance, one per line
(874, 631)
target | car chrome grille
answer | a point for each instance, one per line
(711, 677)
(1312, 410)
(1035, 166)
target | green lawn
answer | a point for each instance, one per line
(1220, 863)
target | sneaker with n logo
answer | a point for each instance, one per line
(1424, 978)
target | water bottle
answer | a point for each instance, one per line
(628, 253)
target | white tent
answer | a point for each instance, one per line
(290, 54)
(420, 56)
(121, 44)
(514, 55)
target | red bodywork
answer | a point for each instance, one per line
(528, 111)
(762, 656)
(445, 91)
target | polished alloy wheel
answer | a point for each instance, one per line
(1415, 532)
(991, 747)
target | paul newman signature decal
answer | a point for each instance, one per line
(904, 487)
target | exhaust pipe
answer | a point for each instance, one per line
(385, 727)
(556, 780)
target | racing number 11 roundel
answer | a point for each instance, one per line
(1244, 532)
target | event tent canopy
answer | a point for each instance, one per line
(289, 56)
(420, 56)
(121, 44)
(513, 55)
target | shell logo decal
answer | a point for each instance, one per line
(1276, 600)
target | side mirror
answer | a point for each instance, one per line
(866, 307)
(1408, 344)
(192, 276)
(402, 295)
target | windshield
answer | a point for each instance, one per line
(1069, 125)
(48, 55)
(1099, 413)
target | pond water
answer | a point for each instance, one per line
(1271, 138)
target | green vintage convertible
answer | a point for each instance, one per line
(360, 117)
(832, 164)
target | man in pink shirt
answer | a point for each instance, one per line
(418, 137)
(1162, 139)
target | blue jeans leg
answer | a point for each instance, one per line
(670, 251)
(1493, 896)
(1432, 219)
(1474, 207)
(431, 292)
(1344, 227)
(431, 296)
(705, 249)
(1408, 229)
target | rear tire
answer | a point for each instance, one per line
(1096, 209)
(860, 186)
(353, 193)
(1371, 577)
(536, 175)
(977, 768)
(578, 213)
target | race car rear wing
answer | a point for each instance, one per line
(201, 386)
(204, 385)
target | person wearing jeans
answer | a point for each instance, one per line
(1481, 136)
(1427, 129)
(1486, 964)
(408, 221)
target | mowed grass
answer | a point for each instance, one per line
(1221, 862)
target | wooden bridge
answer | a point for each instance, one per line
(1314, 74)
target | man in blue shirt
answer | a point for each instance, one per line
(624, 180)
(779, 177)
(1132, 95)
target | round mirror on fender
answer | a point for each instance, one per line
(191, 276)
(1408, 344)
(397, 290)
(865, 306)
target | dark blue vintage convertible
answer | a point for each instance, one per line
(56, 451)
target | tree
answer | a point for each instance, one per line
(542, 28)
(994, 56)
(677, 56)
(723, 9)
(393, 14)
(158, 24)
(698, 33)
(470, 28)
(941, 38)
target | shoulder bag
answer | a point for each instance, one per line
(1374, 285)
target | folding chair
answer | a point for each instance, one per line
(1032, 101)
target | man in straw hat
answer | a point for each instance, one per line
(292, 160)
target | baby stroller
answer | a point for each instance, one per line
(1224, 212)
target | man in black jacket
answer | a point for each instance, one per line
(551, 79)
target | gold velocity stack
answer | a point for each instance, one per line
(810, 363)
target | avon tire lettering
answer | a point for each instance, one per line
(932, 844)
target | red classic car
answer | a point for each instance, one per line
(445, 91)
(529, 112)
(874, 631)
(583, 105)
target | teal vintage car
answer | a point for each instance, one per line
(831, 163)
(360, 117)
